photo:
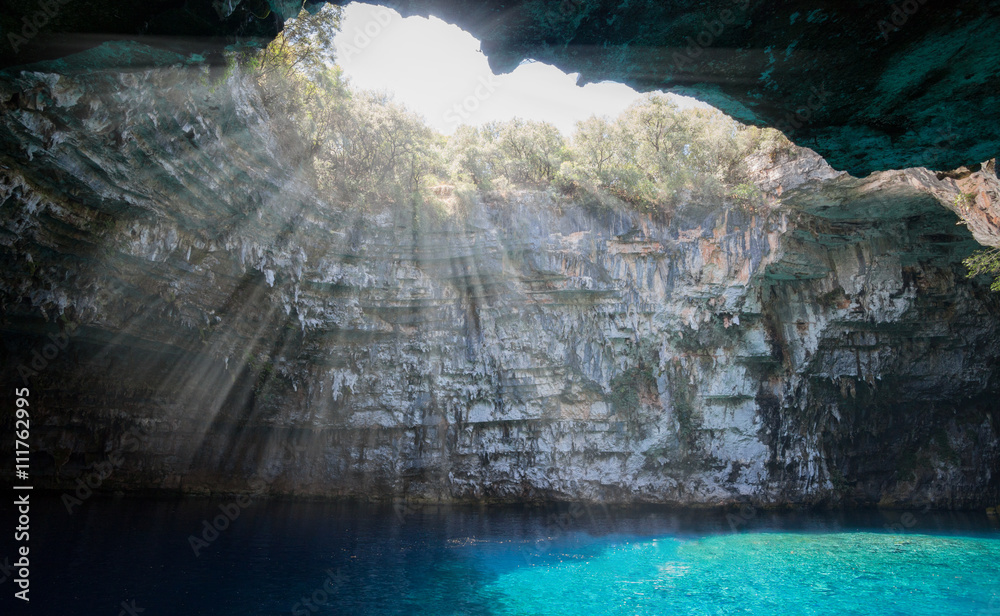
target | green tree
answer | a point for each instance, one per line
(304, 46)
(469, 158)
(375, 150)
(299, 83)
(521, 152)
(595, 145)
(660, 133)
(607, 159)
(364, 148)
(985, 262)
(532, 151)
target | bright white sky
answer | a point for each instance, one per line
(437, 70)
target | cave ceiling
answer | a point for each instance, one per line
(870, 85)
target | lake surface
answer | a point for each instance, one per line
(120, 556)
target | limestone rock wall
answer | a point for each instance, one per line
(217, 322)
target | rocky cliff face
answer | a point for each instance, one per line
(185, 305)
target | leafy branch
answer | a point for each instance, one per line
(985, 262)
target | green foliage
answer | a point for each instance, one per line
(637, 381)
(304, 47)
(634, 386)
(747, 196)
(840, 483)
(515, 153)
(964, 201)
(702, 341)
(606, 160)
(299, 84)
(985, 262)
(374, 149)
(364, 149)
(625, 392)
(683, 398)
(213, 82)
(656, 157)
(652, 158)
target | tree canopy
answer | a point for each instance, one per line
(364, 148)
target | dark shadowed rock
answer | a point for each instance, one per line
(870, 85)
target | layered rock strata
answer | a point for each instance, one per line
(184, 303)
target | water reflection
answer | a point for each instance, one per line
(294, 557)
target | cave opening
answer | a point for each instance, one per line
(315, 308)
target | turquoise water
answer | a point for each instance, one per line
(314, 558)
(763, 573)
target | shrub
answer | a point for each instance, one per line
(964, 201)
(985, 262)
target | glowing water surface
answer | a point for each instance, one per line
(764, 573)
(322, 558)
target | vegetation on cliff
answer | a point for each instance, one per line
(985, 262)
(365, 149)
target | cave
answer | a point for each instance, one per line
(255, 317)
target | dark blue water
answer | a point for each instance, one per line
(120, 556)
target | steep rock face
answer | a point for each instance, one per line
(183, 304)
(972, 194)
(870, 85)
